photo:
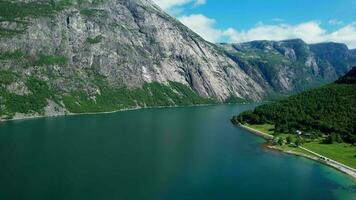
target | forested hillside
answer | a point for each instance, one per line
(329, 110)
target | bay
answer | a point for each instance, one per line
(155, 154)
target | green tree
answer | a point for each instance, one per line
(299, 142)
(275, 140)
(323, 111)
(338, 138)
(289, 139)
(280, 141)
(332, 138)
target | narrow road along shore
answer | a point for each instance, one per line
(320, 158)
(257, 132)
(341, 167)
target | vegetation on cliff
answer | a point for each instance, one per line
(33, 97)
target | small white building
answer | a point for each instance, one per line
(298, 132)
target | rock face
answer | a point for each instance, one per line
(104, 55)
(291, 65)
(131, 42)
(334, 54)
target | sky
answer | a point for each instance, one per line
(313, 21)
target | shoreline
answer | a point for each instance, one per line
(317, 157)
(103, 113)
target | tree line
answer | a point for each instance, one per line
(329, 110)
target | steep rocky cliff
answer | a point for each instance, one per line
(292, 65)
(102, 55)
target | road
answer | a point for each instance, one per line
(339, 166)
(346, 169)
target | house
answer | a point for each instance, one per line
(298, 132)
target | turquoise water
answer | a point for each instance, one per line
(158, 154)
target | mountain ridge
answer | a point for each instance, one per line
(290, 66)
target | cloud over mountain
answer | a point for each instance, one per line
(311, 32)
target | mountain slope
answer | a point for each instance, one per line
(353, 52)
(330, 109)
(334, 54)
(349, 78)
(291, 66)
(72, 55)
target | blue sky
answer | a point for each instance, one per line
(245, 20)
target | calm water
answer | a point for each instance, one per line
(159, 154)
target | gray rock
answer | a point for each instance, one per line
(130, 43)
(291, 66)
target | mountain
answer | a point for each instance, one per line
(335, 54)
(349, 78)
(330, 110)
(101, 55)
(291, 66)
(353, 52)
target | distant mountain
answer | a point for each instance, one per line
(349, 78)
(330, 109)
(353, 51)
(291, 66)
(336, 54)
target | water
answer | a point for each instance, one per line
(160, 154)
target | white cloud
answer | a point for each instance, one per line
(199, 2)
(203, 26)
(346, 34)
(168, 5)
(310, 32)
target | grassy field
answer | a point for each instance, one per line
(266, 128)
(341, 152)
(293, 149)
(269, 128)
